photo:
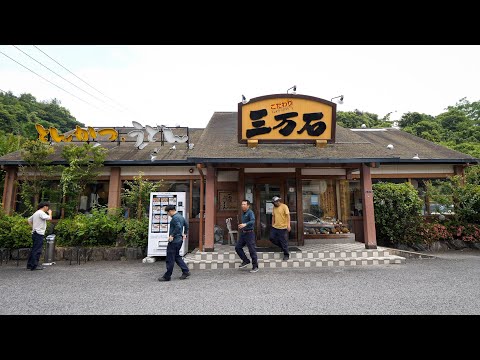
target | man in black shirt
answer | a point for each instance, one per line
(178, 232)
(247, 237)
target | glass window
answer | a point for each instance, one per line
(319, 199)
(356, 207)
(291, 202)
(430, 207)
(94, 195)
(195, 211)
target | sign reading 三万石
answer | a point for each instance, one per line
(286, 118)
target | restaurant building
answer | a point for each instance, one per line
(283, 145)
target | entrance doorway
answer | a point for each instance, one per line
(263, 190)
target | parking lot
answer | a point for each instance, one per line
(448, 284)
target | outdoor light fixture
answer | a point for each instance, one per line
(416, 157)
(244, 99)
(339, 101)
(294, 88)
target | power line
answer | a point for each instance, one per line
(49, 81)
(78, 77)
(59, 75)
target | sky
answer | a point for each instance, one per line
(183, 85)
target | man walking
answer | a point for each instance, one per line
(38, 222)
(280, 226)
(178, 232)
(247, 237)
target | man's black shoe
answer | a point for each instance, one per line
(254, 270)
(243, 264)
(37, 268)
(286, 257)
(184, 276)
(163, 279)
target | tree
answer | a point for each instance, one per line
(137, 195)
(35, 174)
(471, 110)
(409, 119)
(355, 119)
(426, 129)
(19, 114)
(84, 164)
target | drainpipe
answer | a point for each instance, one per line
(200, 239)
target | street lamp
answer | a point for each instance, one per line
(294, 88)
(339, 101)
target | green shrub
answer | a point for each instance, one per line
(136, 232)
(100, 228)
(15, 232)
(397, 213)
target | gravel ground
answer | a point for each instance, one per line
(448, 284)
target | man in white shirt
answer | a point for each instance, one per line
(38, 222)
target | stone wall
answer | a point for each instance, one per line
(82, 253)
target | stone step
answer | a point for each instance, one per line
(294, 262)
(308, 254)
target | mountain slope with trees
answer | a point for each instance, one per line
(18, 116)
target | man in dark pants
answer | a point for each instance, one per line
(280, 226)
(38, 222)
(247, 237)
(178, 232)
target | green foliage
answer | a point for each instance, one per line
(84, 164)
(471, 110)
(18, 115)
(410, 119)
(428, 130)
(355, 119)
(472, 174)
(136, 196)
(136, 232)
(397, 213)
(10, 142)
(100, 228)
(15, 232)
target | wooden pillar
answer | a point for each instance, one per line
(114, 188)
(460, 171)
(241, 192)
(8, 199)
(299, 209)
(369, 234)
(210, 209)
(201, 222)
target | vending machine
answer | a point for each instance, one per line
(159, 221)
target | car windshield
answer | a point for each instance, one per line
(310, 218)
